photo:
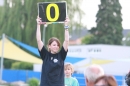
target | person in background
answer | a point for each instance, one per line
(106, 80)
(91, 73)
(53, 59)
(69, 80)
(127, 78)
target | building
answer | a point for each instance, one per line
(77, 35)
(114, 59)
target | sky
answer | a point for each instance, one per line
(90, 7)
(1, 2)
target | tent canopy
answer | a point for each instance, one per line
(25, 46)
(13, 51)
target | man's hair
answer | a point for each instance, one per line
(69, 65)
(127, 79)
(92, 72)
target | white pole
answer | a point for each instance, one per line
(90, 60)
(2, 56)
(44, 30)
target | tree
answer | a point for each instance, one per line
(87, 39)
(126, 40)
(109, 27)
(22, 65)
(8, 63)
(18, 20)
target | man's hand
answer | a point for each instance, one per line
(39, 21)
(66, 21)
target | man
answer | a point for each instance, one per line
(127, 79)
(91, 73)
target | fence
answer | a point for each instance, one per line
(19, 75)
(24, 75)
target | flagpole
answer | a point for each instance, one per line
(2, 56)
(44, 31)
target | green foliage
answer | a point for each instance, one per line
(87, 39)
(126, 40)
(109, 27)
(22, 65)
(8, 63)
(15, 65)
(33, 82)
(19, 20)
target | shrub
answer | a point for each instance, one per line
(22, 65)
(33, 82)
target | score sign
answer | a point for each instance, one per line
(52, 11)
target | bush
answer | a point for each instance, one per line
(33, 82)
(8, 63)
(22, 65)
(15, 65)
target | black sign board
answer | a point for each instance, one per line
(52, 11)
